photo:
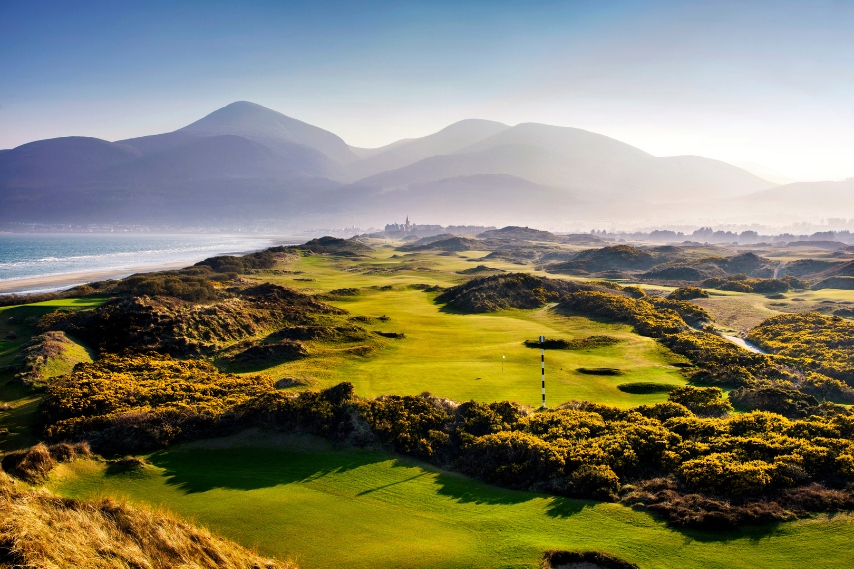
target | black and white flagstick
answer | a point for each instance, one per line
(543, 366)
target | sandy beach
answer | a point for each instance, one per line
(59, 282)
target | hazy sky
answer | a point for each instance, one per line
(769, 82)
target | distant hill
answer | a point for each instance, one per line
(577, 162)
(815, 199)
(245, 163)
(405, 152)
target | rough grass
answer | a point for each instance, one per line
(45, 531)
(299, 498)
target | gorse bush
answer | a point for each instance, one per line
(687, 293)
(127, 404)
(703, 401)
(825, 344)
(647, 319)
(580, 449)
(741, 283)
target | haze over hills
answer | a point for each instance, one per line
(245, 162)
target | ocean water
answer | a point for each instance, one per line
(28, 255)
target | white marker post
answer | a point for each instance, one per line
(543, 366)
(502, 364)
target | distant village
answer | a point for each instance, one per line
(407, 229)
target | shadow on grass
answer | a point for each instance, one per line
(251, 468)
(19, 420)
(753, 533)
(195, 470)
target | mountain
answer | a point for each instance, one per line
(269, 128)
(244, 163)
(581, 162)
(405, 152)
(59, 160)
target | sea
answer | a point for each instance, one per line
(34, 255)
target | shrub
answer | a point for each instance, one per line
(787, 402)
(411, 425)
(723, 473)
(704, 401)
(647, 319)
(512, 459)
(595, 481)
(565, 424)
(824, 344)
(477, 419)
(34, 464)
(134, 403)
(687, 293)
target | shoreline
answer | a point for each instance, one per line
(57, 283)
(63, 281)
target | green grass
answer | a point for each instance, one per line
(298, 498)
(459, 356)
(72, 354)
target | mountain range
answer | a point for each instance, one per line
(245, 163)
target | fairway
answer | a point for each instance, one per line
(298, 498)
(459, 356)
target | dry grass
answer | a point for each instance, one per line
(41, 530)
(33, 464)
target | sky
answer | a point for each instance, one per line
(769, 84)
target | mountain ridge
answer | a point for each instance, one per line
(286, 169)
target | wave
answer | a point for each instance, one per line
(67, 255)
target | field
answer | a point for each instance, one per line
(302, 499)
(298, 498)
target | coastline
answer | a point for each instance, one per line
(67, 275)
(56, 283)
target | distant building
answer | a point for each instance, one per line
(408, 228)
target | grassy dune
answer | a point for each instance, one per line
(17, 327)
(298, 498)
